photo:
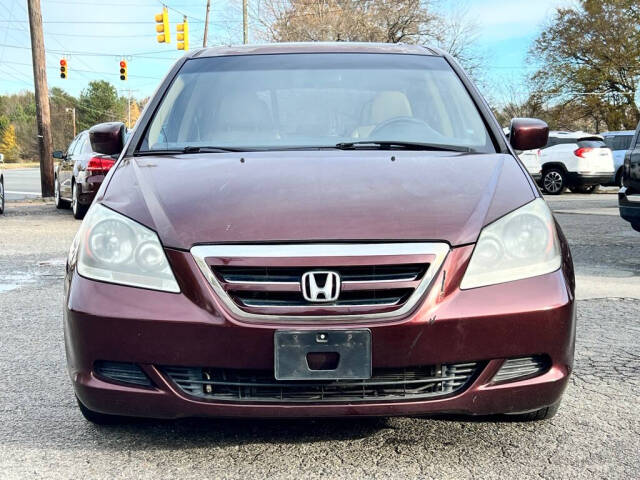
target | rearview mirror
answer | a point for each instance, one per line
(528, 133)
(58, 154)
(107, 138)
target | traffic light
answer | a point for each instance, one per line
(123, 70)
(162, 27)
(182, 35)
(63, 68)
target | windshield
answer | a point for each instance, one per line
(316, 100)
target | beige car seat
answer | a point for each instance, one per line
(385, 106)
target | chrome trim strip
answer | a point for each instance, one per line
(200, 253)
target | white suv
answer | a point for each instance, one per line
(578, 160)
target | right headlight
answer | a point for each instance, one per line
(519, 245)
(112, 248)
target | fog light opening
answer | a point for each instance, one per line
(521, 368)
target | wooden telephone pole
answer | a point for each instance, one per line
(245, 23)
(43, 115)
(206, 24)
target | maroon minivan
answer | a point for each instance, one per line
(308, 230)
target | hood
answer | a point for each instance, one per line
(299, 196)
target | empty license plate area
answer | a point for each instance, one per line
(322, 354)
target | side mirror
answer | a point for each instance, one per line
(528, 133)
(58, 154)
(107, 138)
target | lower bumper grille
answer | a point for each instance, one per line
(248, 386)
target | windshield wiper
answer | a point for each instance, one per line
(187, 149)
(384, 145)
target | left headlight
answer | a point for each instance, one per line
(519, 245)
(112, 248)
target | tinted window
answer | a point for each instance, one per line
(316, 100)
(591, 144)
(624, 142)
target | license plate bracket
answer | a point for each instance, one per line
(292, 347)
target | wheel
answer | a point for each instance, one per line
(1, 196)
(79, 210)
(585, 189)
(553, 181)
(60, 203)
(99, 418)
(537, 415)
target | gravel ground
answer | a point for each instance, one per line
(596, 434)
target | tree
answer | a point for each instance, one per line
(98, 103)
(9, 144)
(387, 21)
(590, 58)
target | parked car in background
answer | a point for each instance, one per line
(1, 185)
(293, 230)
(79, 174)
(577, 160)
(629, 195)
(619, 142)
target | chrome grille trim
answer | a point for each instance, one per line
(438, 251)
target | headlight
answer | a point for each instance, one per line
(113, 248)
(520, 245)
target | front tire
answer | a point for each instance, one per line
(543, 414)
(1, 196)
(60, 203)
(585, 189)
(553, 181)
(79, 210)
(99, 418)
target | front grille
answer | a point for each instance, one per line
(249, 386)
(264, 282)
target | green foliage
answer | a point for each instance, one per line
(591, 63)
(99, 102)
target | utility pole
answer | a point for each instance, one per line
(72, 110)
(43, 115)
(206, 24)
(245, 25)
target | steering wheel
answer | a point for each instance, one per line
(398, 127)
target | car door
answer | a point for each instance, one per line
(66, 170)
(632, 165)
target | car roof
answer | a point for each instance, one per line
(618, 133)
(576, 135)
(314, 47)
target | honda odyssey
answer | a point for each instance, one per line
(314, 230)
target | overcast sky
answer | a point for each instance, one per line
(125, 28)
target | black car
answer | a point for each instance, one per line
(79, 174)
(629, 195)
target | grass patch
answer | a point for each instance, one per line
(14, 166)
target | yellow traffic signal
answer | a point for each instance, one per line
(123, 70)
(63, 69)
(182, 35)
(162, 27)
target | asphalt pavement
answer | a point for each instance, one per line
(22, 183)
(596, 433)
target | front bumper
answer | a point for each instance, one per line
(629, 206)
(534, 316)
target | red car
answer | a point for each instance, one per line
(308, 230)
